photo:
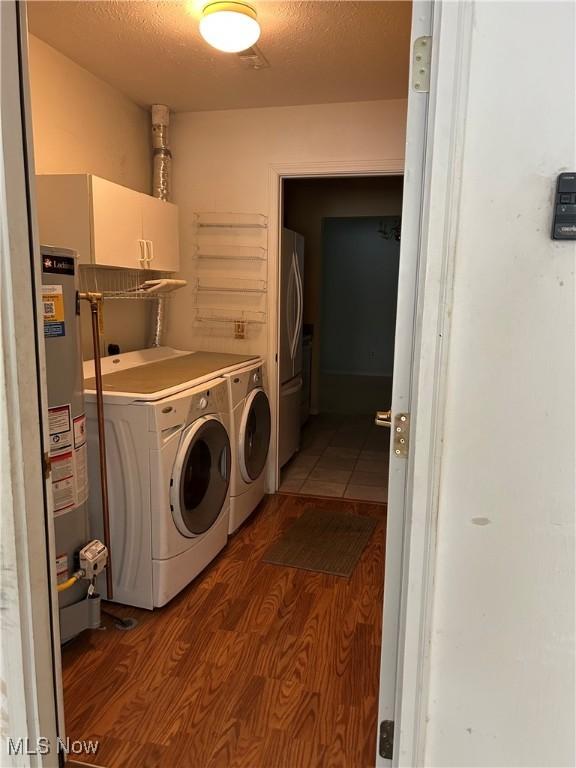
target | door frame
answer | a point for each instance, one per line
(277, 174)
(37, 665)
(30, 628)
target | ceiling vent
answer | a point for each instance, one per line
(253, 58)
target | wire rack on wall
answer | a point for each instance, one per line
(121, 283)
(230, 220)
(231, 252)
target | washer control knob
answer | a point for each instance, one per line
(203, 403)
(256, 377)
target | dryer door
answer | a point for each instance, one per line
(254, 435)
(201, 476)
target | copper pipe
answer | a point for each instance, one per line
(95, 300)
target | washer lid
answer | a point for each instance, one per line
(254, 435)
(201, 476)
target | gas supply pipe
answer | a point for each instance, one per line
(95, 301)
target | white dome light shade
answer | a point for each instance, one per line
(230, 27)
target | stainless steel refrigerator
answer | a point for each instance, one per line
(291, 317)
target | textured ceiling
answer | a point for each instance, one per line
(319, 52)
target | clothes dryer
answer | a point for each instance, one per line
(250, 431)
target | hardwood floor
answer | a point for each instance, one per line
(252, 666)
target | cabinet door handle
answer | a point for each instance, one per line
(150, 249)
(142, 244)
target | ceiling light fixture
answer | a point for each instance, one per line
(230, 27)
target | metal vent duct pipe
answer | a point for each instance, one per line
(162, 157)
(162, 163)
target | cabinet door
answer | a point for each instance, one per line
(116, 225)
(63, 203)
(160, 227)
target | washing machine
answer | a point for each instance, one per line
(250, 429)
(169, 458)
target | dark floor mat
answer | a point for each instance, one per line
(320, 540)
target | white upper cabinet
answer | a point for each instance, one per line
(109, 225)
(116, 226)
(160, 228)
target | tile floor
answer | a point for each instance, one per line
(341, 456)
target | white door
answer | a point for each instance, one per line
(398, 484)
(117, 225)
(29, 638)
(160, 230)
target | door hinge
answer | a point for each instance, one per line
(401, 434)
(421, 56)
(386, 741)
(46, 465)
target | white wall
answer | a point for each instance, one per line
(83, 125)
(502, 654)
(222, 162)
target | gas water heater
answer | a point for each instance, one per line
(79, 559)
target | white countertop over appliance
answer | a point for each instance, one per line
(148, 375)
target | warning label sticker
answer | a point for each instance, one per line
(81, 474)
(79, 430)
(68, 459)
(61, 568)
(59, 428)
(80, 458)
(63, 485)
(53, 309)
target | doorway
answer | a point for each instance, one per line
(359, 644)
(350, 233)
